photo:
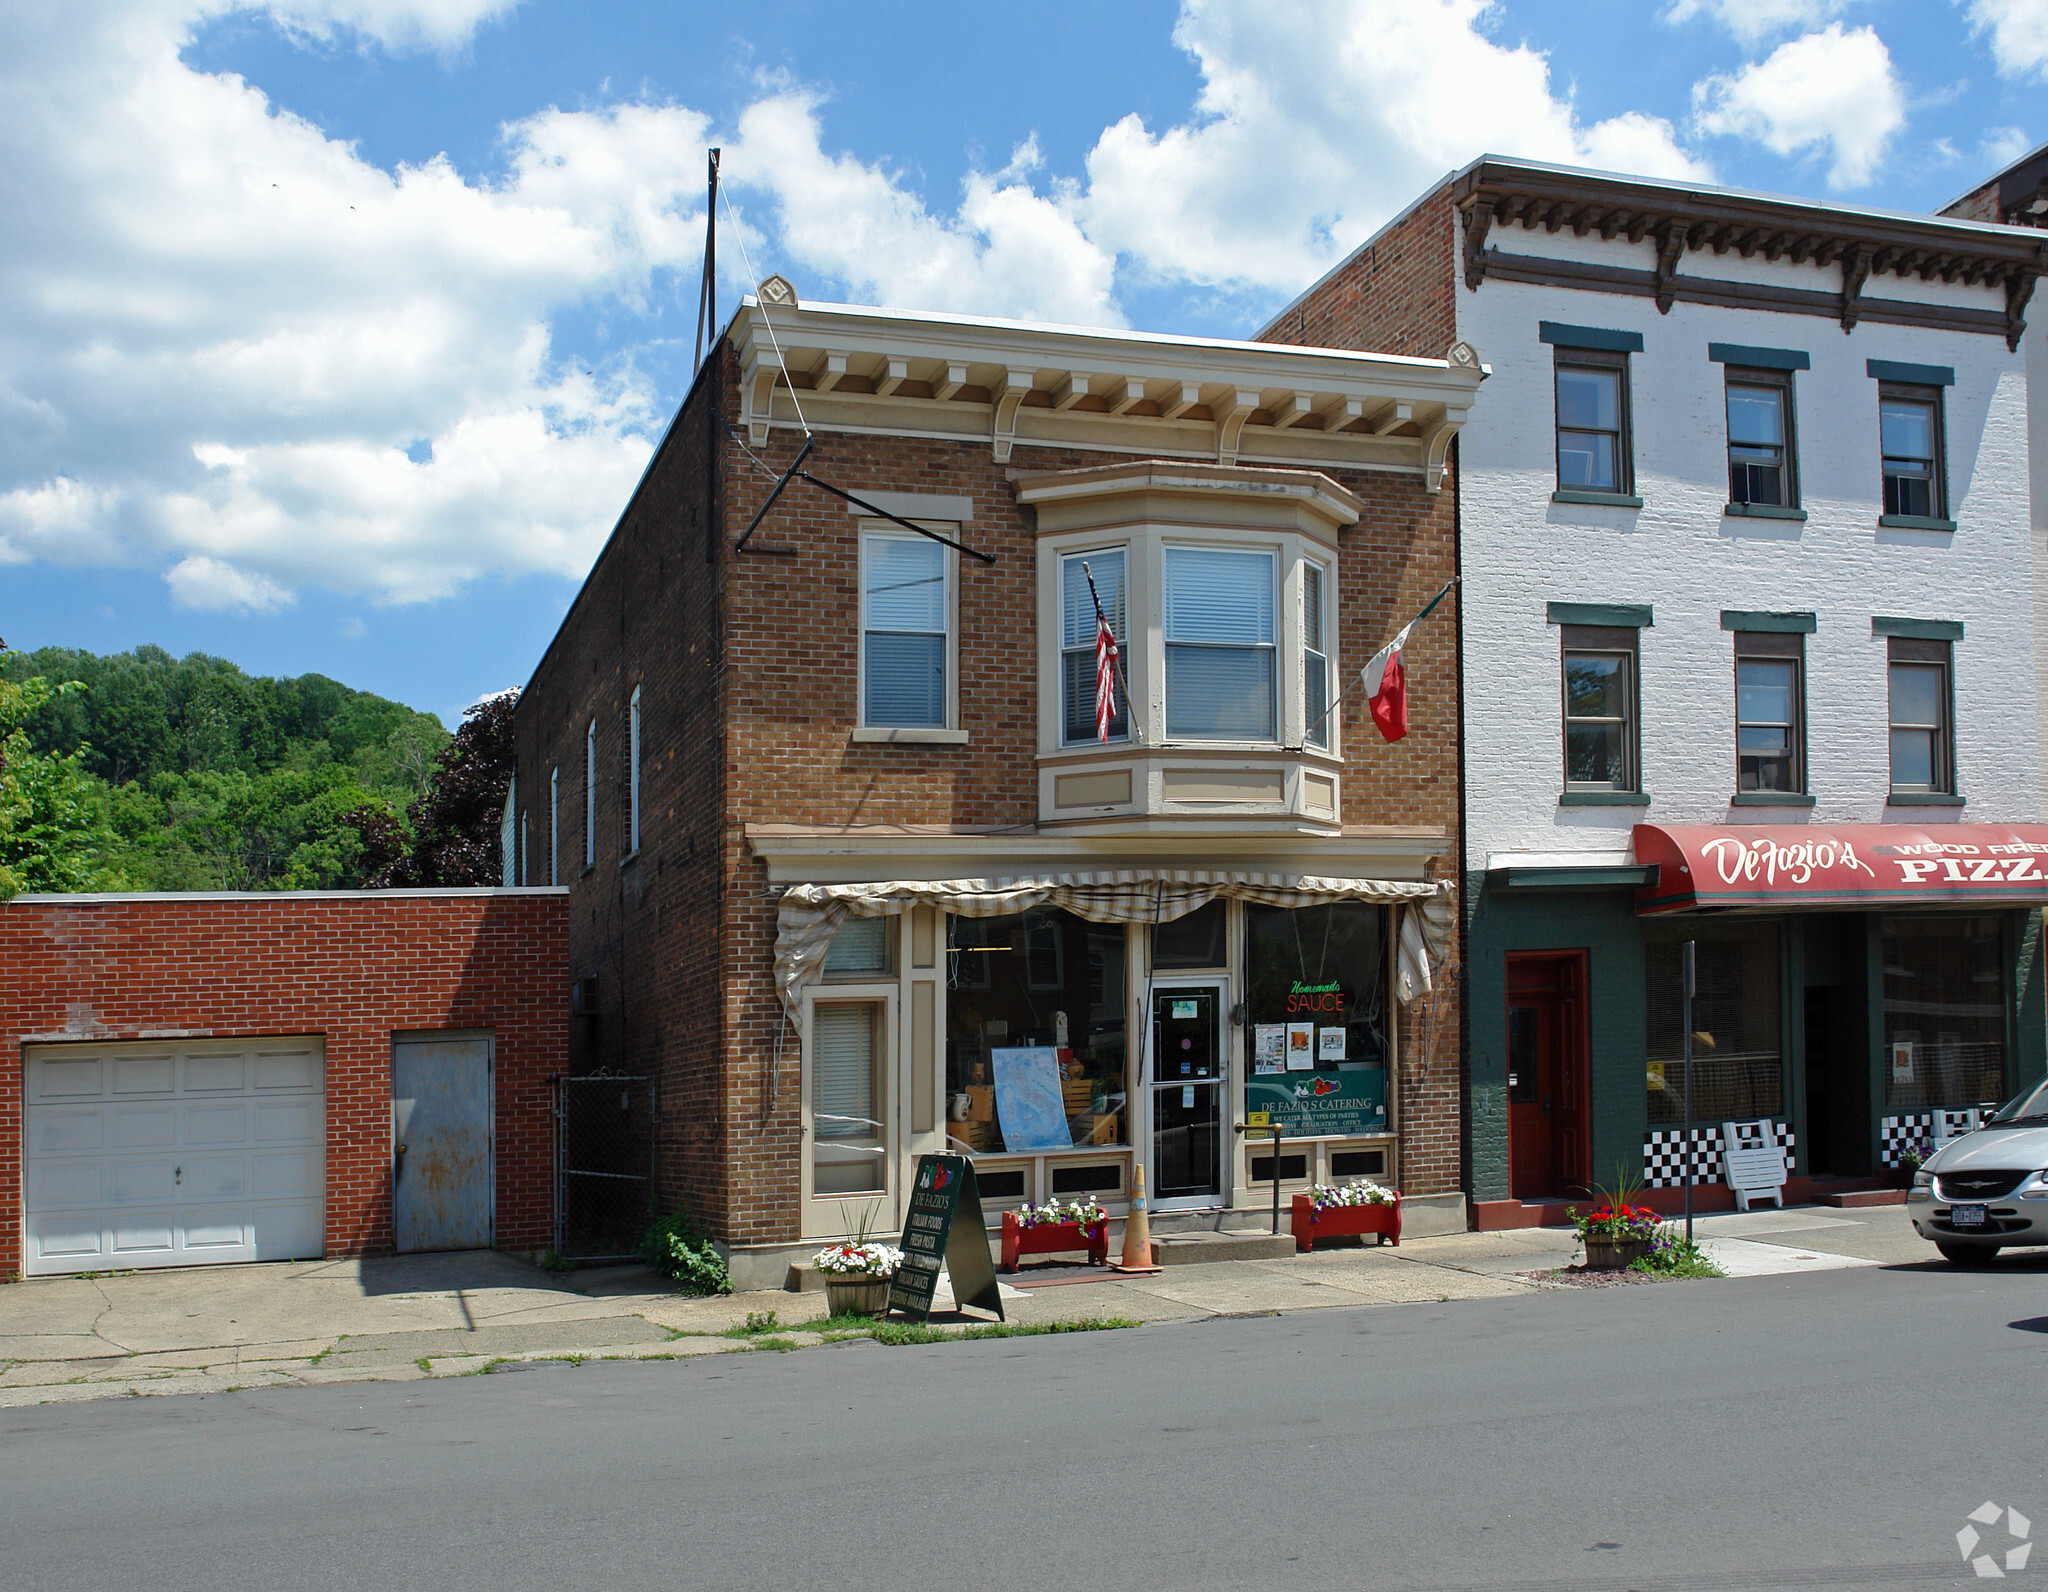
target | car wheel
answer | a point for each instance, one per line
(1968, 1254)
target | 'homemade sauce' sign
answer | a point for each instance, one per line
(943, 1197)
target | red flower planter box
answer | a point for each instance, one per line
(1052, 1238)
(1341, 1221)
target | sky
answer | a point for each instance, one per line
(334, 334)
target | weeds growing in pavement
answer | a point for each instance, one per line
(1673, 1255)
(898, 1333)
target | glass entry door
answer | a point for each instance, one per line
(1188, 1080)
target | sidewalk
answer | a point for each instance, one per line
(224, 1328)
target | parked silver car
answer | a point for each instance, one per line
(1988, 1190)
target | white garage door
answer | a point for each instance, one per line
(175, 1154)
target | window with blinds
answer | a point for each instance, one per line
(1077, 641)
(1315, 658)
(860, 948)
(905, 614)
(1220, 667)
(846, 1097)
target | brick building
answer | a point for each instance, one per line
(853, 871)
(1742, 524)
(219, 1078)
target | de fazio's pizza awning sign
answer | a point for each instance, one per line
(1702, 866)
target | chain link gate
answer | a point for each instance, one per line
(604, 1164)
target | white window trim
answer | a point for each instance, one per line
(1073, 556)
(829, 1215)
(925, 734)
(1286, 643)
(590, 796)
(633, 752)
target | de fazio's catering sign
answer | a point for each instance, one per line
(1699, 866)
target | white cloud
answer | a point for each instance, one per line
(394, 24)
(2019, 34)
(1753, 21)
(1319, 119)
(209, 583)
(1834, 90)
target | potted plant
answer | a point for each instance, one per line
(1617, 1231)
(1339, 1210)
(858, 1272)
(1911, 1157)
(1052, 1227)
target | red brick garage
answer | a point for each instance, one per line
(143, 1033)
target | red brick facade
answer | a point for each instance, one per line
(355, 969)
(747, 667)
(1394, 295)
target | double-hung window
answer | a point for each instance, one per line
(1909, 430)
(906, 609)
(1077, 642)
(1769, 735)
(1760, 455)
(1592, 422)
(1922, 745)
(1315, 656)
(1220, 652)
(1600, 721)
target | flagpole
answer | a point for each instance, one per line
(1122, 680)
(1429, 609)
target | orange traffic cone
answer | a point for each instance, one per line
(1137, 1231)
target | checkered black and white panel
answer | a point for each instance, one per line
(1895, 1134)
(1954, 1124)
(1664, 1154)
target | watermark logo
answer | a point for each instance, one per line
(2017, 1526)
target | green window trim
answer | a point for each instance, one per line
(1924, 798)
(1913, 522)
(1759, 358)
(1560, 335)
(1603, 798)
(1917, 629)
(1632, 616)
(1614, 500)
(1762, 511)
(1777, 624)
(1911, 375)
(1617, 876)
(1771, 798)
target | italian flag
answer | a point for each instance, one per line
(1384, 679)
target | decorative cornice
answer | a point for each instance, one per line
(1867, 246)
(1005, 382)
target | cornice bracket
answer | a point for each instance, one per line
(1670, 251)
(1009, 398)
(2019, 288)
(1230, 419)
(758, 398)
(1436, 445)
(1855, 272)
(1478, 222)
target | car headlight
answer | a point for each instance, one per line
(1923, 1187)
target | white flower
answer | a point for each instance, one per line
(859, 1260)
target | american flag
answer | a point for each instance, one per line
(1105, 674)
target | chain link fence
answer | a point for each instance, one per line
(604, 1164)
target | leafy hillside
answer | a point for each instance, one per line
(162, 773)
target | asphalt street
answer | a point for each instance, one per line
(1822, 1430)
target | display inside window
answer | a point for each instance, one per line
(1315, 1021)
(1944, 1012)
(1738, 1069)
(1035, 1034)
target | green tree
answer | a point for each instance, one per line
(55, 832)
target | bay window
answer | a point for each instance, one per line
(1077, 641)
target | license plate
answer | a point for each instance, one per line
(1966, 1215)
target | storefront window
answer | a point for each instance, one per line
(1944, 1012)
(1035, 1033)
(1738, 1072)
(846, 1098)
(1315, 1020)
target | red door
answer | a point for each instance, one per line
(1547, 1096)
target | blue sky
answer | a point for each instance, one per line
(342, 328)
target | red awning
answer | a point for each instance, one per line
(1823, 865)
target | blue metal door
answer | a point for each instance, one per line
(441, 1143)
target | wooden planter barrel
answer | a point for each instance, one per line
(1342, 1221)
(1614, 1254)
(857, 1296)
(1053, 1238)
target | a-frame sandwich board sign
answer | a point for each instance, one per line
(945, 1227)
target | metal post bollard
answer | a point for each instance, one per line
(1272, 1134)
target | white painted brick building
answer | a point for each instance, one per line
(1604, 536)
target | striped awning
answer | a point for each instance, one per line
(810, 914)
